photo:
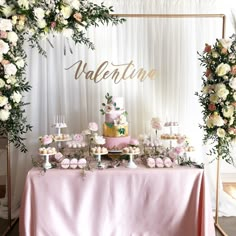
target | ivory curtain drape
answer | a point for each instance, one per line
(168, 45)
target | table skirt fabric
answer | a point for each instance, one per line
(116, 202)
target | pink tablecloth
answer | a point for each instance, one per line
(116, 202)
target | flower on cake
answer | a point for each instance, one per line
(93, 126)
(109, 105)
(121, 120)
(46, 140)
(99, 140)
(218, 95)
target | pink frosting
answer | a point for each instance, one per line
(117, 143)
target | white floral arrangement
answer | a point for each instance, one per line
(31, 20)
(218, 96)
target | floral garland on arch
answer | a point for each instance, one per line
(31, 20)
(218, 96)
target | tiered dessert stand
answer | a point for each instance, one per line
(59, 124)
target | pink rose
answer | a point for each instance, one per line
(233, 70)
(3, 34)
(178, 150)
(211, 107)
(53, 24)
(172, 155)
(93, 126)
(207, 48)
(46, 139)
(181, 139)
(208, 72)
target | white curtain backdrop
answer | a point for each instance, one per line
(168, 45)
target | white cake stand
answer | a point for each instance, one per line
(131, 163)
(47, 165)
(100, 165)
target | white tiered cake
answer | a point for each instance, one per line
(115, 127)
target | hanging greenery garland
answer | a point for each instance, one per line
(31, 20)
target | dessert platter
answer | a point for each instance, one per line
(77, 151)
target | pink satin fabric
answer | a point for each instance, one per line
(116, 202)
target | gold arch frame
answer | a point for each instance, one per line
(223, 17)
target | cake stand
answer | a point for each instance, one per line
(59, 142)
(100, 165)
(47, 165)
(131, 163)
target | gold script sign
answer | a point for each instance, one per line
(109, 70)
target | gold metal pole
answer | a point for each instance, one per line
(9, 182)
(217, 190)
(171, 15)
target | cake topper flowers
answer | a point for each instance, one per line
(218, 96)
(109, 105)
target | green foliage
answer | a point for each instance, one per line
(218, 97)
(32, 21)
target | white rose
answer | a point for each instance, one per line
(39, 13)
(221, 91)
(10, 69)
(226, 43)
(228, 111)
(215, 54)
(66, 11)
(214, 98)
(3, 101)
(99, 140)
(205, 89)
(24, 4)
(232, 83)
(220, 132)
(67, 33)
(2, 83)
(231, 121)
(42, 24)
(8, 10)
(217, 120)
(14, 19)
(16, 97)
(12, 37)
(74, 3)
(4, 114)
(222, 69)
(1, 57)
(2, 2)
(20, 63)
(4, 47)
(5, 25)
(209, 123)
(11, 80)
(20, 27)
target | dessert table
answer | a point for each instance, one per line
(116, 202)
